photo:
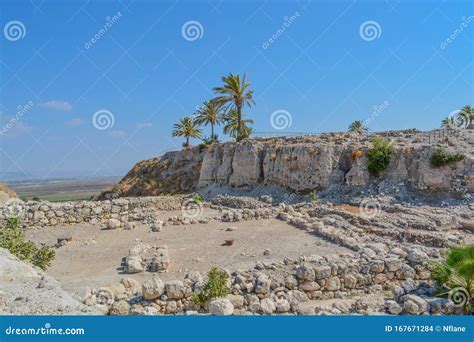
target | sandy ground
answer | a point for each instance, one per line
(95, 256)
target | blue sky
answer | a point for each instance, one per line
(311, 60)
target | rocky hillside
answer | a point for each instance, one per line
(6, 193)
(307, 163)
(27, 290)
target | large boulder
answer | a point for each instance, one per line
(153, 288)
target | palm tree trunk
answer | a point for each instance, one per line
(239, 122)
(187, 141)
(212, 130)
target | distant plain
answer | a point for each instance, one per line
(61, 190)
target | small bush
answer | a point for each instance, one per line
(441, 157)
(215, 286)
(455, 277)
(198, 198)
(12, 239)
(313, 196)
(379, 155)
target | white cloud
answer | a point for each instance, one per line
(61, 106)
(144, 124)
(118, 133)
(74, 122)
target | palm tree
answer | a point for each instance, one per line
(235, 128)
(455, 276)
(358, 127)
(186, 128)
(449, 122)
(236, 95)
(210, 113)
(466, 116)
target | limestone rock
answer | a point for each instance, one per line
(119, 308)
(220, 307)
(267, 306)
(113, 224)
(153, 288)
(175, 289)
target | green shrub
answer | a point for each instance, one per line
(455, 277)
(313, 196)
(379, 155)
(215, 286)
(198, 198)
(441, 157)
(13, 240)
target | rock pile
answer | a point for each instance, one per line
(144, 257)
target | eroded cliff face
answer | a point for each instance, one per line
(304, 164)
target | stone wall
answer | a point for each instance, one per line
(284, 287)
(43, 213)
